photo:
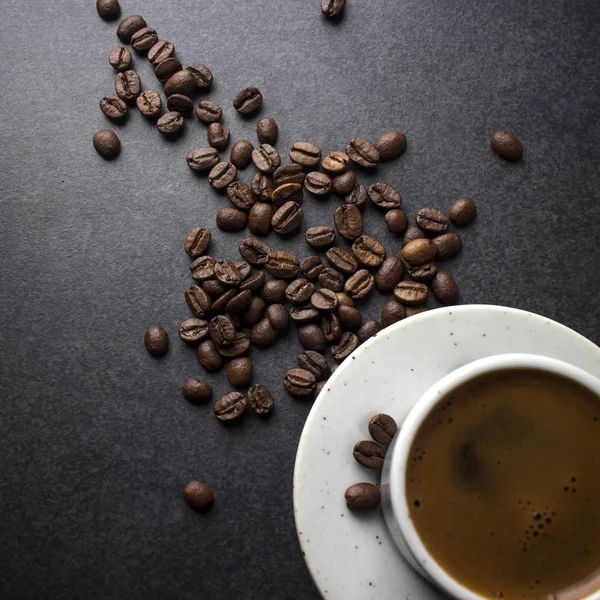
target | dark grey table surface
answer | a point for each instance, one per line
(96, 441)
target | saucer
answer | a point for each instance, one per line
(353, 557)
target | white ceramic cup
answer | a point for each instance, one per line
(393, 479)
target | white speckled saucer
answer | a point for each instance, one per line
(354, 558)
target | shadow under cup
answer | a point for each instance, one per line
(491, 489)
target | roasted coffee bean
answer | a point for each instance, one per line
(359, 285)
(344, 183)
(507, 145)
(202, 159)
(368, 329)
(209, 357)
(324, 300)
(415, 310)
(230, 407)
(266, 159)
(181, 82)
(278, 316)
(348, 222)
(203, 268)
(357, 197)
(144, 39)
(260, 399)
(244, 268)
(198, 496)
(209, 112)
(254, 251)
(312, 337)
(241, 195)
(287, 219)
(166, 68)
(412, 233)
(333, 9)
(293, 173)
(392, 312)
(239, 347)
(368, 251)
(196, 391)
(383, 429)
(411, 293)
(314, 362)
(113, 107)
(344, 299)
(330, 324)
(350, 318)
(247, 101)
(300, 383)
(253, 282)
(149, 103)
(170, 124)
(444, 288)
(156, 340)
(287, 192)
(239, 372)
(419, 251)
(259, 218)
(341, 260)
(202, 74)
(369, 454)
(391, 144)
(221, 175)
(273, 292)
(238, 304)
(362, 498)
(198, 301)
(241, 154)
(462, 212)
(255, 312)
(348, 343)
(267, 131)
(181, 104)
(384, 196)
(213, 288)
(424, 272)
(227, 273)
(396, 220)
(231, 219)
(320, 236)
(262, 186)
(336, 162)
(120, 59)
(363, 153)
(432, 220)
(311, 267)
(129, 26)
(448, 245)
(263, 334)
(282, 265)
(301, 315)
(160, 52)
(193, 330)
(317, 183)
(331, 279)
(109, 10)
(306, 154)
(299, 291)
(389, 274)
(197, 241)
(319, 388)
(107, 144)
(218, 136)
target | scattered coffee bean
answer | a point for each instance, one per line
(392, 312)
(247, 101)
(384, 196)
(293, 173)
(301, 315)
(255, 312)
(415, 310)
(344, 299)
(181, 104)
(424, 272)
(193, 330)
(253, 283)
(288, 192)
(198, 496)
(350, 318)
(166, 68)
(262, 186)
(107, 144)
(333, 9)
(331, 279)
(369, 454)
(128, 86)
(383, 429)
(368, 329)
(507, 145)
(267, 131)
(144, 39)
(273, 291)
(368, 251)
(198, 301)
(320, 236)
(230, 407)
(344, 183)
(336, 162)
(419, 251)
(363, 153)
(432, 220)
(287, 219)
(231, 219)
(260, 399)
(202, 159)
(396, 220)
(156, 340)
(202, 74)
(209, 356)
(341, 260)
(239, 372)
(241, 195)
(299, 291)
(448, 245)
(254, 251)
(218, 136)
(209, 112)
(181, 82)
(317, 183)
(462, 212)
(120, 59)
(444, 288)
(312, 337)
(109, 10)
(348, 343)
(332, 328)
(241, 154)
(359, 285)
(259, 218)
(170, 124)
(197, 241)
(278, 316)
(113, 107)
(362, 498)
(196, 391)
(221, 175)
(266, 159)
(314, 362)
(348, 222)
(391, 144)
(389, 274)
(263, 334)
(306, 154)
(357, 197)
(411, 293)
(282, 265)
(412, 233)
(160, 52)
(311, 267)
(300, 383)
(129, 26)
(324, 300)
(149, 103)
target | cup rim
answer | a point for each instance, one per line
(398, 456)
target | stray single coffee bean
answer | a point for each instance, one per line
(260, 399)
(107, 144)
(267, 131)
(197, 391)
(198, 496)
(230, 407)
(109, 10)
(218, 136)
(156, 341)
(333, 9)
(113, 107)
(248, 101)
(170, 124)
(462, 212)
(507, 145)
(391, 145)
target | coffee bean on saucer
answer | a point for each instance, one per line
(113, 107)
(166, 68)
(383, 428)
(129, 26)
(363, 153)
(357, 197)
(160, 52)
(282, 265)
(411, 234)
(239, 372)
(318, 184)
(255, 311)
(368, 251)
(411, 293)
(462, 212)
(202, 74)
(230, 407)
(107, 144)
(198, 496)
(368, 329)
(333, 9)
(314, 362)
(231, 219)
(221, 175)
(267, 131)
(424, 272)
(247, 101)
(209, 356)
(263, 334)
(312, 337)
(507, 145)
(241, 154)
(331, 279)
(350, 318)
(332, 328)
(287, 219)
(396, 220)
(266, 159)
(341, 260)
(262, 186)
(273, 292)
(348, 343)
(384, 196)
(389, 274)
(392, 312)
(196, 391)
(109, 10)
(170, 124)
(448, 245)
(344, 183)
(362, 498)
(324, 300)
(348, 221)
(260, 399)
(302, 315)
(149, 103)
(254, 251)
(292, 173)
(287, 192)
(444, 288)
(344, 299)
(300, 383)
(144, 39)
(120, 59)
(209, 112)
(391, 144)
(432, 220)
(278, 316)
(369, 454)
(320, 236)
(197, 241)
(156, 341)
(419, 251)
(259, 218)
(299, 291)
(311, 267)
(306, 154)
(193, 330)
(359, 285)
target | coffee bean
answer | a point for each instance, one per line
(424, 272)
(193, 330)
(263, 334)
(444, 288)
(368, 329)
(213, 287)
(149, 104)
(198, 301)
(166, 68)
(299, 291)
(330, 324)
(227, 273)
(239, 372)
(419, 251)
(306, 154)
(357, 197)
(244, 268)
(312, 337)
(160, 52)
(262, 186)
(324, 300)
(384, 196)
(341, 260)
(320, 236)
(412, 233)
(202, 159)
(197, 241)
(311, 267)
(314, 362)
(359, 285)
(368, 251)
(411, 311)
(181, 104)
(282, 265)
(253, 283)
(120, 59)
(344, 299)
(241, 154)
(209, 357)
(391, 144)
(273, 291)
(350, 318)
(202, 74)
(344, 183)
(196, 391)
(448, 245)
(156, 340)
(411, 292)
(259, 218)
(255, 312)
(278, 316)
(198, 496)
(333, 9)
(362, 498)
(369, 454)
(396, 220)
(336, 162)
(507, 145)
(218, 136)
(301, 315)
(254, 251)
(300, 383)
(113, 107)
(209, 112)
(432, 220)
(363, 153)
(144, 39)
(231, 219)
(129, 26)
(221, 175)
(287, 219)
(266, 159)
(348, 343)
(462, 212)
(317, 183)
(109, 10)
(230, 407)
(267, 131)
(220, 304)
(319, 388)
(293, 173)
(331, 279)
(238, 304)
(181, 82)
(348, 222)
(170, 124)
(247, 101)
(260, 399)
(389, 274)
(383, 429)
(107, 144)
(392, 312)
